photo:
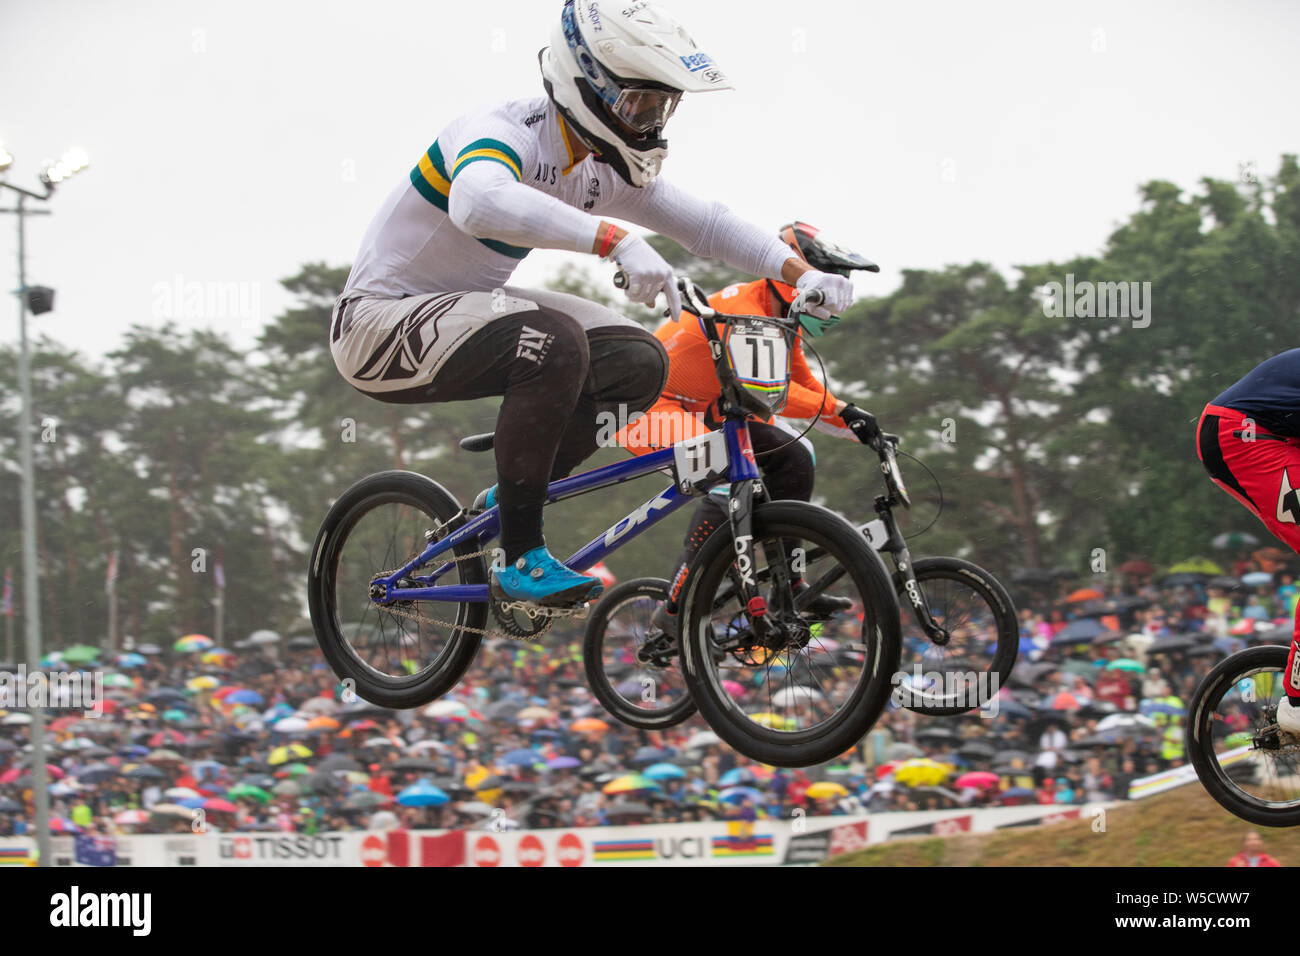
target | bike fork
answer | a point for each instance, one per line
(741, 516)
(896, 545)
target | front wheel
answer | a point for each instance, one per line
(806, 688)
(408, 653)
(979, 637)
(632, 665)
(1243, 760)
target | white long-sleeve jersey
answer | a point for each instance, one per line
(500, 181)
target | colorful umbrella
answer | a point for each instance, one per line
(289, 752)
(191, 643)
(630, 783)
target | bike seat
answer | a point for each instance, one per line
(478, 442)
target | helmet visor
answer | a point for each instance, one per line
(641, 109)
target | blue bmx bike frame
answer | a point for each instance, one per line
(485, 526)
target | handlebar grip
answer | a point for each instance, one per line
(814, 297)
(620, 279)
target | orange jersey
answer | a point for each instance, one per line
(693, 388)
(691, 378)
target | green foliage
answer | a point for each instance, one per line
(1050, 435)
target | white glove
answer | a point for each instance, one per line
(647, 272)
(837, 292)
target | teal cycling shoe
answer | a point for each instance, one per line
(539, 578)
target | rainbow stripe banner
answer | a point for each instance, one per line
(606, 850)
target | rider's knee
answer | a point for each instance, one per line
(642, 365)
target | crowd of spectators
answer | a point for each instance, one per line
(258, 738)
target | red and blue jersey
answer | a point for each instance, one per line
(1269, 394)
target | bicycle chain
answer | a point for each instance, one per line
(534, 611)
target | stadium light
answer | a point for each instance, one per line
(37, 300)
(69, 164)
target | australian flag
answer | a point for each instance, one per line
(96, 851)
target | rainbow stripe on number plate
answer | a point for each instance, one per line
(606, 850)
(760, 844)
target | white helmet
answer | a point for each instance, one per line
(616, 74)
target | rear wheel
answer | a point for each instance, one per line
(633, 667)
(809, 688)
(395, 656)
(1247, 765)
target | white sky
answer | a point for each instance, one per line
(231, 141)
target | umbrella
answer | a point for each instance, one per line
(1233, 539)
(1137, 566)
(289, 752)
(564, 762)
(1080, 631)
(1084, 594)
(244, 791)
(665, 771)
(1257, 579)
(191, 643)
(131, 817)
(903, 751)
(735, 777)
(630, 783)
(1174, 643)
(202, 682)
(702, 739)
(81, 654)
(1196, 566)
(522, 758)
(1124, 722)
(827, 790)
(795, 696)
(144, 772)
(648, 755)
(1125, 664)
(365, 800)
(263, 637)
(1225, 582)
(422, 794)
(287, 788)
(588, 724)
(534, 713)
(130, 660)
(289, 725)
(981, 779)
(245, 696)
(920, 772)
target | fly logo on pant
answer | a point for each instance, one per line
(744, 566)
(1288, 507)
(533, 344)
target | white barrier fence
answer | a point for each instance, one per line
(764, 842)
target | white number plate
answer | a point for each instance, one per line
(700, 461)
(759, 355)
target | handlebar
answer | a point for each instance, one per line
(694, 299)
